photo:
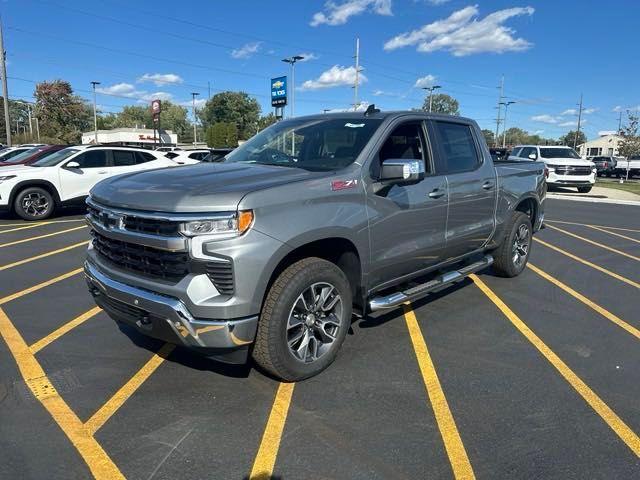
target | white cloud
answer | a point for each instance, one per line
(426, 81)
(437, 2)
(587, 111)
(336, 76)
(148, 97)
(247, 50)
(462, 33)
(617, 108)
(308, 57)
(160, 78)
(339, 14)
(538, 132)
(571, 123)
(550, 119)
(200, 102)
(122, 89)
(570, 111)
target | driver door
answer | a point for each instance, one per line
(76, 182)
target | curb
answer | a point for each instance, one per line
(594, 200)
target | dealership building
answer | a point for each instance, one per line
(136, 137)
(606, 144)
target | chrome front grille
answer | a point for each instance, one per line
(569, 170)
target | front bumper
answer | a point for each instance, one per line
(571, 180)
(168, 319)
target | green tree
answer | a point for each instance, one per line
(62, 115)
(489, 136)
(442, 103)
(222, 135)
(630, 143)
(570, 139)
(266, 121)
(232, 107)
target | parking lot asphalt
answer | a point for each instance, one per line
(532, 377)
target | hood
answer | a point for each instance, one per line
(568, 161)
(205, 187)
(11, 169)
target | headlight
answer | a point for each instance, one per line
(229, 225)
(7, 177)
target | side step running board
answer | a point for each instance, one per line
(399, 298)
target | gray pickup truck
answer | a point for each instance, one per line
(313, 221)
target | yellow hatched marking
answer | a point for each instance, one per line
(67, 327)
(446, 424)
(122, 395)
(628, 436)
(266, 457)
(99, 463)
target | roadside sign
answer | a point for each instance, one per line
(156, 107)
(279, 92)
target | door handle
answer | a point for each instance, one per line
(436, 193)
(487, 185)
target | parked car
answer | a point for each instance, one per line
(565, 168)
(605, 166)
(10, 152)
(187, 157)
(630, 165)
(168, 149)
(31, 156)
(277, 248)
(217, 154)
(66, 176)
(499, 154)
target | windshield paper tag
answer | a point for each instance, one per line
(354, 125)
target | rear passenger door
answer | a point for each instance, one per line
(471, 183)
(124, 161)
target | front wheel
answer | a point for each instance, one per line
(34, 203)
(512, 255)
(304, 320)
(584, 189)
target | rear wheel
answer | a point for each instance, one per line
(512, 255)
(584, 189)
(34, 203)
(304, 320)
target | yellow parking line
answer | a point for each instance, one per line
(587, 263)
(266, 457)
(602, 311)
(42, 255)
(589, 225)
(24, 240)
(606, 247)
(600, 229)
(99, 463)
(44, 284)
(446, 424)
(114, 403)
(40, 344)
(25, 225)
(628, 436)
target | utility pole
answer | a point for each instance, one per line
(431, 89)
(292, 61)
(37, 129)
(619, 122)
(30, 124)
(95, 113)
(193, 104)
(208, 90)
(357, 79)
(575, 140)
(5, 90)
(504, 127)
(500, 99)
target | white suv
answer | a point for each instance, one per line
(565, 168)
(66, 176)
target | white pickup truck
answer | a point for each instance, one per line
(565, 168)
(65, 177)
(632, 165)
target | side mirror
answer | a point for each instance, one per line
(533, 156)
(400, 170)
(72, 165)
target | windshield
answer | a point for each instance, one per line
(55, 158)
(311, 144)
(6, 155)
(20, 156)
(558, 153)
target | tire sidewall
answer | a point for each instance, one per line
(320, 271)
(520, 219)
(17, 204)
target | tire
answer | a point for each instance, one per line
(517, 240)
(288, 319)
(34, 203)
(584, 189)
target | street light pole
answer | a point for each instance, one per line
(5, 90)
(292, 61)
(193, 104)
(95, 112)
(431, 89)
(504, 120)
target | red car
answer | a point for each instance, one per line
(30, 156)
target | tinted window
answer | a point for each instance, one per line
(143, 157)
(457, 146)
(92, 159)
(123, 158)
(526, 151)
(558, 153)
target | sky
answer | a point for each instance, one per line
(550, 52)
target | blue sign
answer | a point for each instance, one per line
(279, 92)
